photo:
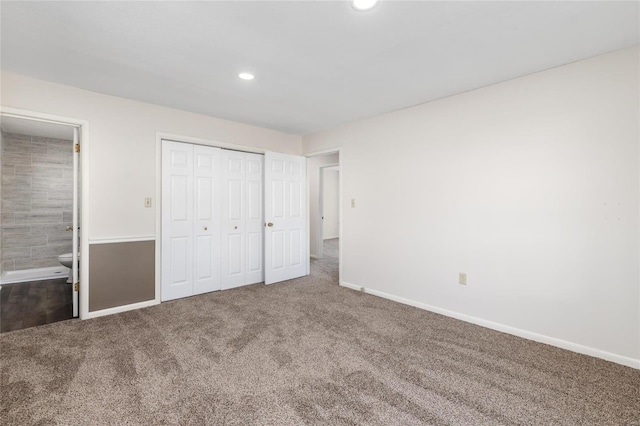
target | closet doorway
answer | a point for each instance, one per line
(229, 218)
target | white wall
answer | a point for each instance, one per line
(530, 186)
(313, 174)
(331, 190)
(123, 146)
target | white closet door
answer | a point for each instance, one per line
(233, 219)
(285, 212)
(207, 195)
(177, 220)
(254, 225)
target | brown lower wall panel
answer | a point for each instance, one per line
(121, 274)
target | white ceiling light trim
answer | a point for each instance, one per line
(246, 76)
(363, 5)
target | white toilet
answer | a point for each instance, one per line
(65, 260)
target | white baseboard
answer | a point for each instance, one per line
(118, 309)
(313, 256)
(330, 238)
(559, 343)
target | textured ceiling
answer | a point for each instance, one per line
(317, 64)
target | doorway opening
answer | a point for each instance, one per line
(325, 213)
(39, 226)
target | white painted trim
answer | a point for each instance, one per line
(340, 221)
(105, 240)
(358, 288)
(330, 238)
(320, 213)
(208, 142)
(559, 343)
(75, 223)
(43, 118)
(324, 152)
(309, 220)
(337, 150)
(85, 198)
(313, 256)
(84, 220)
(118, 309)
(158, 207)
(320, 230)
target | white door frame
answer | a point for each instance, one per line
(160, 136)
(320, 229)
(75, 223)
(314, 154)
(83, 131)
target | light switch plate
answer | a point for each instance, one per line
(462, 278)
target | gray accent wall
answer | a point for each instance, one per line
(121, 274)
(37, 201)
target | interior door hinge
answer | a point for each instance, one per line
(77, 147)
(76, 287)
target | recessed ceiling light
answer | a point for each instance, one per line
(363, 4)
(246, 76)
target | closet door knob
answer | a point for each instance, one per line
(235, 227)
(269, 224)
(206, 228)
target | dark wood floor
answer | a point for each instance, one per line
(34, 303)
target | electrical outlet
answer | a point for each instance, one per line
(462, 278)
(147, 202)
(353, 203)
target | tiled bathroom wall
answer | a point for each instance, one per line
(36, 199)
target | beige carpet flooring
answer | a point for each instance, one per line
(301, 352)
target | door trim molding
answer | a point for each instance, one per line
(337, 150)
(208, 142)
(119, 309)
(83, 130)
(108, 240)
(320, 229)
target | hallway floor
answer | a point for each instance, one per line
(327, 268)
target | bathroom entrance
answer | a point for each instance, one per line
(39, 225)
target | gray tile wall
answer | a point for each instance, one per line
(37, 201)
